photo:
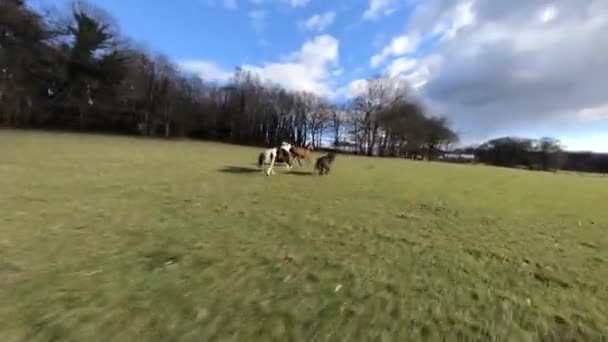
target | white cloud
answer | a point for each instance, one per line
(206, 70)
(337, 72)
(493, 67)
(310, 68)
(258, 19)
(597, 113)
(356, 88)
(444, 17)
(360, 86)
(292, 3)
(547, 14)
(510, 66)
(415, 79)
(318, 22)
(398, 46)
(377, 8)
(307, 69)
(298, 3)
(400, 65)
(461, 16)
(232, 4)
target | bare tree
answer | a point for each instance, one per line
(550, 149)
(78, 71)
(379, 94)
(338, 118)
(318, 122)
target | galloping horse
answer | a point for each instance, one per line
(272, 155)
(323, 164)
(303, 153)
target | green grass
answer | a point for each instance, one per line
(120, 239)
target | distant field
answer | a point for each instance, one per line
(120, 239)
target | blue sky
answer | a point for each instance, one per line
(494, 68)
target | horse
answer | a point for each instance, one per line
(272, 155)
(303, 153)
(322, 165)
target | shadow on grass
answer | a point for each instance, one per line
(239, 169)
(245, 170)
(300, 173)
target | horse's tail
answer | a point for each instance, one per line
(261, 159)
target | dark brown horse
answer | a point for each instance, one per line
(323, 164)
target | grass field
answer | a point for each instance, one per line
(120, 239)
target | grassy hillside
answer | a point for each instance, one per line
(105, 238)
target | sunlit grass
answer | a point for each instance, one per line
(120, 239)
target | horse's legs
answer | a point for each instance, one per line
(270, 169)
(299, 162)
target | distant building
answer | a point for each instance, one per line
(457, 157)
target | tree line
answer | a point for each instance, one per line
(74, 71)
(546, 153)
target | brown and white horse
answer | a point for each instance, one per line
(275, 154)
(303, 153)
